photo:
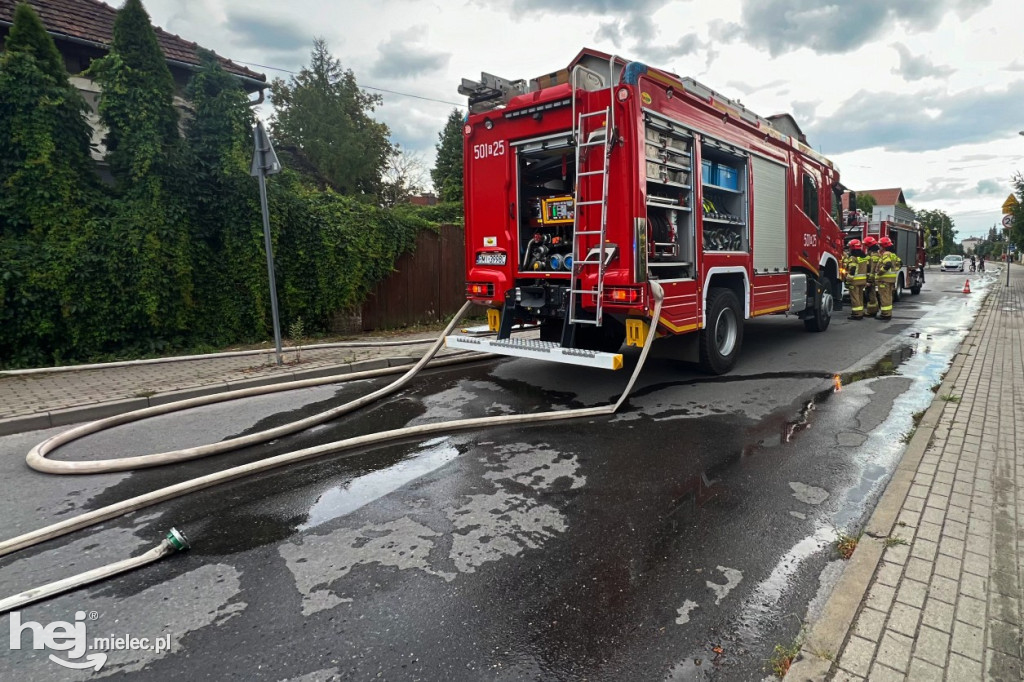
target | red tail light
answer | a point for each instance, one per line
(479, 289)
(623, 295)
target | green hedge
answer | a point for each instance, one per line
(81, 296)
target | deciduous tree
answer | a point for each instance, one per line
(866, 202)
(405, 176)
(1017, 231)
(939, 225)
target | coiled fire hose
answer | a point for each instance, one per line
(37, 456)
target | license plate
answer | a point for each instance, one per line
(491, 258)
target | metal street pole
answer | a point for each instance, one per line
(261, 167)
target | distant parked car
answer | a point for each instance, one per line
(953, 262)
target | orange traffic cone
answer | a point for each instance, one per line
(967, 286)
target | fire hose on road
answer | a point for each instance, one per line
(37, 456)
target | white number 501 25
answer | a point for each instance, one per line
(487, 149)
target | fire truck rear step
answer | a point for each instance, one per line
(538, 350)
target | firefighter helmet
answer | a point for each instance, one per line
(885, 241)
(854, 245)
(869, 241)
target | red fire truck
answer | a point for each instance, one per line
(591, 190)
(907, 237)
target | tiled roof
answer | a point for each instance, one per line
(886, 197)
(883, 197)
(93, 21)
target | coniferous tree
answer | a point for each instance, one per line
(447, 172)
(28, 35)
(47, 190)
(323, 119)
(44, 135)
(145, 152)
(137, 104)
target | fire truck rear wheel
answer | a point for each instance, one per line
(722, 338)
(823, 306)
(897, 291)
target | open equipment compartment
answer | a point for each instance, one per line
(668, 168)
(724, 191)
(546, 171)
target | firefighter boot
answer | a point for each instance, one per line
(871, 300)
(885, 295)
(857, 302)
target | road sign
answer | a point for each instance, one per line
(1010, 204)
(264, 163)
(264, 157)
(1007, 221)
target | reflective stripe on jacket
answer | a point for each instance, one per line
(889, 267)
(874, 261)
(863, 263)
(856, 271)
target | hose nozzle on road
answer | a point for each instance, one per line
(174, 541)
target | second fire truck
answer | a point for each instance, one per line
(592, 189)
(907, 237)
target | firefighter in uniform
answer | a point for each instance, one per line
(856, 266)
(871, 291)
(889, 265)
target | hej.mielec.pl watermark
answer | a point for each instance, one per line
(79, 651)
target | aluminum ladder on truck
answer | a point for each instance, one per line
(582, 256)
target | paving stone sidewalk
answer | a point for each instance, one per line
(69, 392)
(945, 599)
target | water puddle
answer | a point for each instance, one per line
(888, 365)
(360, 491)
(727, 379)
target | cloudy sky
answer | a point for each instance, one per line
(927, 95)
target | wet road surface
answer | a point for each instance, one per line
(680, 539)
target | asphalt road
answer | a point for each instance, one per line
(681, 539)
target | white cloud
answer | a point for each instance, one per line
(914, 68)
(832, 65)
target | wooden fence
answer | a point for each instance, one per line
(428, 285)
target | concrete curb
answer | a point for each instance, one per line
(84, 413)
(825, 640)
(213, 356)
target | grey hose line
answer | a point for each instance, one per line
(235, 473)
(174, 541)
(37, 460)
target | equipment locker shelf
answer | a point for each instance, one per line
(668, 167)
(724, 186)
